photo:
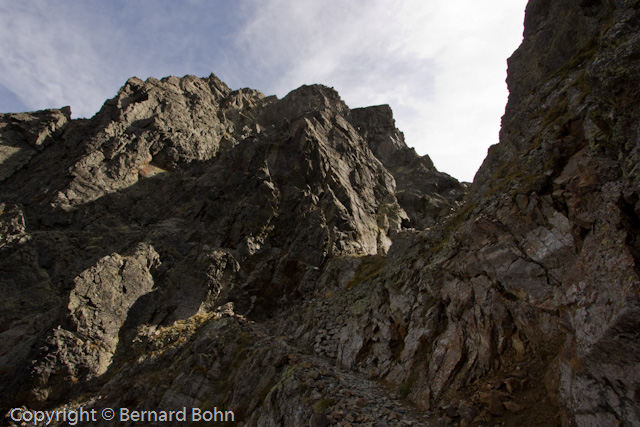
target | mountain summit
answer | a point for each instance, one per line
(285, 262)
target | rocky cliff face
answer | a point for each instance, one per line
(293, 261)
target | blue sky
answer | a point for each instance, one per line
(440, 64)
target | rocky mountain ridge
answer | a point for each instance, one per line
(292, 260)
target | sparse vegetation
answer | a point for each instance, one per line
(405, 387)
(370, 268)
(322, 405)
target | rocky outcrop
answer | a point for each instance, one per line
(293, 261)
(24, 134)
(180, 201)
(425, 193)
(523, 305)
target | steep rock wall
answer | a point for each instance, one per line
(525, 302)
(294, 261)
(179, 197)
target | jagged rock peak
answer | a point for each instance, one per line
(314, 97)
(182, 200)
(186, 83)
(378, 124)
(261, 254)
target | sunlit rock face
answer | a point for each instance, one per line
(295, 262)
(184, 202)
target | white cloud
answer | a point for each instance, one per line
(439, 64)
(41, 60)
(78, 53)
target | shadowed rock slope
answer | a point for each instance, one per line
(292, 260)
(186, 214)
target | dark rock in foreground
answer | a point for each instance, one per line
(293, 261)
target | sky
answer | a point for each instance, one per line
(440, 64)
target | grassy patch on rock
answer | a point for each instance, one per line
(369, 269)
